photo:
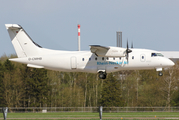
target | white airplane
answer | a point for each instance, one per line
(100, 59)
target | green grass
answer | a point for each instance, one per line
(84, 115)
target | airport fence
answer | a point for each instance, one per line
(92, 109)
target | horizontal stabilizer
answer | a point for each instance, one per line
(34, 66)
(12, 26)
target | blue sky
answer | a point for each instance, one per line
(151, 24)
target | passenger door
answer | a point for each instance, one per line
(73, 63)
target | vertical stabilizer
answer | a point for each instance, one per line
(23, 44)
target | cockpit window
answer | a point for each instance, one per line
(159, 54)
(156, 54)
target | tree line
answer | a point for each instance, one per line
(21, 86)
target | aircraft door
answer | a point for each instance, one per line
(142, 57)
(73, 63)
(148, 56)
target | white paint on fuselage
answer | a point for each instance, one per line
(85, 61)
(33, 55)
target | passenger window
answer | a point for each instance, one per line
(83, 59)
(102, 58)
(107, 58)
(119, 58)
(113, 58)
(89, 59)
(142, 57)
(96, 58)
(132, 57)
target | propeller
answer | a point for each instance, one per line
(128, 51)
(132, 45)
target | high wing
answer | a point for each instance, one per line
(104, 51)
(99, 50)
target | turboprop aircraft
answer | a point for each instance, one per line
(100, 59)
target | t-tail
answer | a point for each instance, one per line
(23, 44)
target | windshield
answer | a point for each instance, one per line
(156, 54)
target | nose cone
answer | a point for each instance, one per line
(172, 63)
(169, 63)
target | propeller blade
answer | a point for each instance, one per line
(127, 45)
(127, 56)
(132, 45)
(128, 51)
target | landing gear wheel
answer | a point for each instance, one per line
(102, 75)
(160, 73)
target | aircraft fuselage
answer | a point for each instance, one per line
(85, 61)
(100, 59)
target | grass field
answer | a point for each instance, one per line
(92, 116)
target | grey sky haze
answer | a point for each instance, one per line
(151, 24)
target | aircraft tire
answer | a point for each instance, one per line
(160, 73)
(102, 75)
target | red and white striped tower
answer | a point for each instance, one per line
(78, 37)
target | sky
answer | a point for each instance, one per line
(150, 24)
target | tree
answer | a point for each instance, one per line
(9, 66)
(170, 85)
(149, 89)
(111, 93)
(36, 87)
(130, 88)
(12, 80)
(2, 100)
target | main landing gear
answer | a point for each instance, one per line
(160, 73)
(102, 75)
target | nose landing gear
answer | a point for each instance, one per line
(159, 71)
